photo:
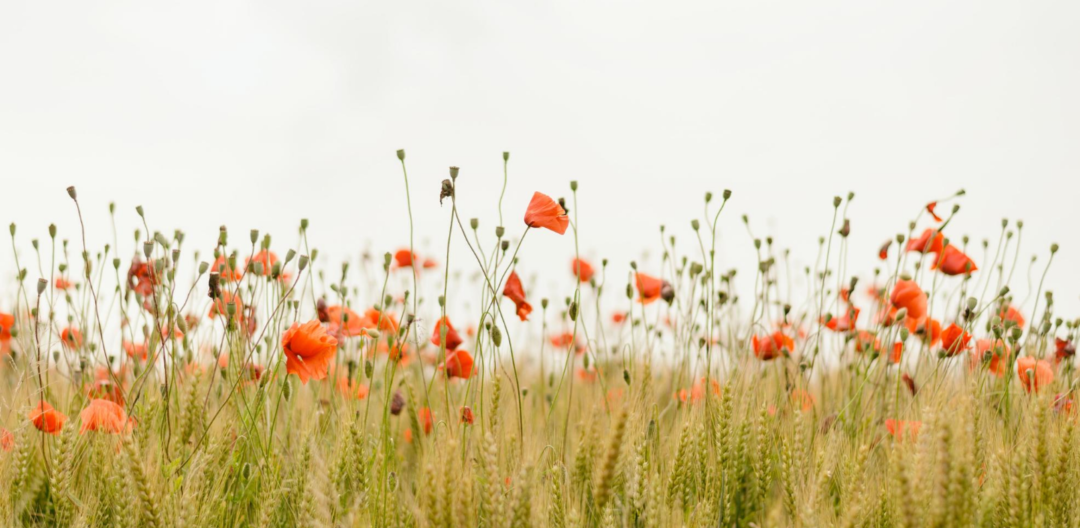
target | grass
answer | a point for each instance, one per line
(681, 402)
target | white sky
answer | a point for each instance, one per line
(255, 114)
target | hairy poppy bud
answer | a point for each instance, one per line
(369, 368)
(626, 376)
(373, 333)
(139, 209)
(11, 228)
(52, 230)
(836, 201)
(505, 245)
(695, 225)
(629, 291)
(544, 303)
(116, 263)
(708, 196)
(1053, 248)
(573, 311)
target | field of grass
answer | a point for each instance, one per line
(254, 384)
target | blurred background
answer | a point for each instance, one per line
(257, 114)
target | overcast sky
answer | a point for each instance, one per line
(256, 114)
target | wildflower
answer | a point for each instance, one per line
(308, 350)
(845, 322)
(344, 321)
(221, 306)
(351, 388)
(46, 418)
(105, 390)
(265, 257)
(7, 322)
(897, 428)
(403, 258)
(222, 267)
(803, 399)
(930, 330)
(467, 416)
(1063, 404)
(71, 338)
(459, 364)
(698, 392)
(952, 261)
(897, 353)
(772, 346)
(883, 253)
(515, 292)
(930, 209)
(582, 270)
(587, 375)
(649, 288)
(1010, 313)
(62, 283)
(426, 420)
(135, 350)
(7, 440)
(140, 278)
(931, 241)
(954, 340)
(618, 317)
(453, 340)
(907, 295)
(105, 416)
(384, 322)
(910, 382)
(1064, 350)
(866, 342)
(545, 212)
(992, 351)
(1034, 373)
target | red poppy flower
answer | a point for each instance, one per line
(426, 420)
(467, 416)
(265, 257)
(992, 351)
(515, 292)
(7, 440)
(459, 364)
(71, 338)
(403, 258)
(930, 209)
(135, 350)
(343, 321)
(141, 278)
(7, 322)
(897, 353)
(952, 261)
(954, 340)
(929, 242)
(429, 263)
(63, 284)
(930, 330)
(586, 375)
(105, 416)
(772, 346)
(453, 340)
(907, 294)
(221, 265)
(582, 270)
(803, 399)
(883, 253)
(105, 390)
(353, 388)
(698, 392)
(897, 428)
(221, 306)
(866, 342)
(1034, 373)
(46, 418)
(844, 323)
(308, 350)
(649, 287)
(1012, 314)
(545, 212)
(618, 317)
(1063, 350)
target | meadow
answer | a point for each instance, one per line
(254, 383)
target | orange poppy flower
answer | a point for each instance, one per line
(7, 322)
(105, 390)
(582, 270)
(140, 278)
(649, 287)
(453, 340)
(467, 416)
(46, 418)
(62, 283)
(1064, 350)
(221, 306)
(221, 265)
(105, 416)
(845, 322)
(459, 364)
(992, 351)
(1063, 404)
(897, 428)
(135, 350)
(566, 340)
(803, 399)
(907, 294)
(345, 322)
(1010, 313)
(586, 375)
(883, 253)
(954, 340)
(403, 258)
(929, 242)
(265, 257)
(385, 322)
(952, 261)
(697, 393)
(930, 209)
(772, 346)
(352, 389)
(866, 342)
(515, 292)
(426, 419)
(897, 353)
(545, 212)
(930, 330)
(1034, 373)
(71, 338)
(618, 317)
(7, 440)
(308, 350)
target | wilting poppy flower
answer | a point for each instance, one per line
(467, 416)
(265, 257)
(104, 416)
(1064, 350)
(1034, 373)
(63, 284)
(46, 418)
(910, 382)
(582, 270)
(929, 242)
(221, 266)
(426, 420)
(845, 322)
(1063, 403)
(952, 261)
(545, 212)
(71, 338)
(649, 287)
(7, 440)
(803, 399)
(515, 292)
(141, 278)
(1010, 313)
(135, 350)
(883, 253)
(995, 352)
(397, 403)
(907, 294)
(897, 428)
(954, 340)
(453, 340)
(308, 350)
(459, 364)
(772, 346)
(930, 209)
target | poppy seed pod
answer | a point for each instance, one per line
(116, 263)
(254, 236)
(11, 229)
(506, 155)
(667, 292)
(695, 225)
(573, 185)
(453, 172)
(71, 192)
(505, 245)
(52, 230)
(148, 249)
(139, 210)
(836, 201)
(499, 231)
(401, 154)
(708, 196)
(42, 284)
(474, 223)
(303, 262)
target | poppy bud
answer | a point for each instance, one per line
(1016, 333)
(116, 263)
(544, 303)
(291, 254)
(708, 197)
(71, 192)
(369, 368)
(695, 225)
(42, 284)
(1004, 291)
(972, 302)
(139, 209)
(257, 267)
(11, 228)
(836, 201)
(1053, 248)
(626, 376)
(506, 155)
(148, 249)
(901, 314)
(499, 231)
(846, 229)
(496, 335)
(667, 292)
(276, 271)
(474, 223)
(505, 245)
(572, 311)
(373, 333)
(629, 291)
(52, 230)
(573, 185)
(904, 333)
(401, 154)
(254, 236)
(585, 362)
(397, 403)
(286, 390)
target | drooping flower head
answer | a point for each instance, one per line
(547, 213)
(453, 340)
(308, 350)
(650, 288)
(516, 293)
